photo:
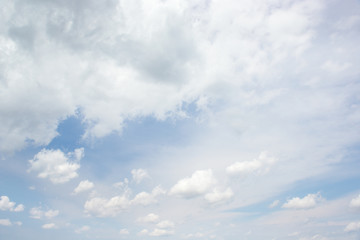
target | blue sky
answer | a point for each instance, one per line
(179, 119)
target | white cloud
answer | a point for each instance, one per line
(124, 231)
(37, 213)
(258, 165)
(161, 232)
(139, 174)
(145, 198)
(82, 229)
(274, 204)
(355, 202)
(7, 205)
(165, 224)
(5, 222)
(150, 218)
(103, 207)
(84, 186)
(353, 226)
(143, 232)
(49, 226)
(309, 201)
(56, 165)
(199, 183)
(216, 196)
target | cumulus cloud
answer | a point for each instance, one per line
(309, 201)
(55, 165)
(145, 198)
(165, 224)
(124, 231)
(37, 213)
(139, 174)
(355, 202)
(82, 229)
(258, 165)
(49, 226)
(150, 218)
(216, 196)
(83, 186)
(103, 207)
(200, 182)
(156, 232)
(7, 205)
(5, 222)
(353, 226)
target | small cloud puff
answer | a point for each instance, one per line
(82, 229)
(103, 207)
(56, 165)
(199, 183)
(83, 186)
(49, 226)
(259, 165)
(7, 205)
(37, 213)
(165, 224)
(355, 202)
(5, 222)
(309, 201)
(124, 231)
(353, 226)
(145, 198)
(217, 196)
(274, 204)
(150, 218)
(139, 174)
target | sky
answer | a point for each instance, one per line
(180, 119)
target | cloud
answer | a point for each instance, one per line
(145, 198)
(217, 196)
(161, 232)
(165, 224)
(49, 226)
(55, 165)
(82, 229)
(353, 226)
(124, 231)
(37, 213)
(143, 232)
(355, 202)
(7, 205)
(199, 183)
(103, 207)
(274, 204)
(150, 218)
(258, 165)
(309, 201)
(83, 186)
(5, 222)
(156, 232)
(139, 174)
